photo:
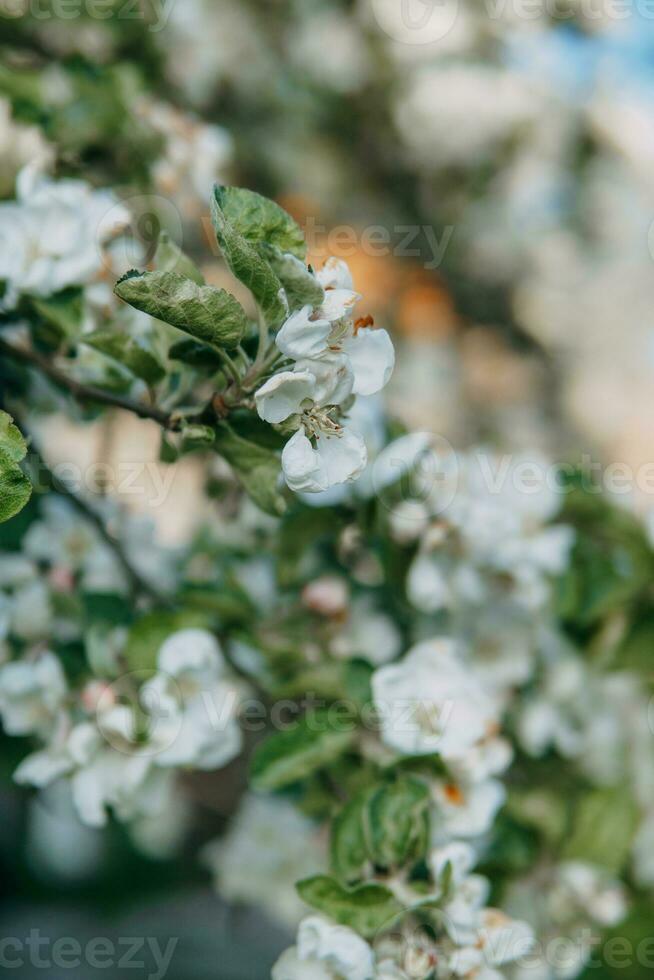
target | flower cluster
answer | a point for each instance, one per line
(120, 755)
(335, 357)
(117, 731)
(568, 903)
(466, 938)
(52, 236)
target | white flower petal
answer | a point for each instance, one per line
(337, 946)
(42, 768)
(303, 468)
(372, 358)
(290, 967)
(333, 378)
(338, 303)
(427, 585)
(283, 395)
(459, 855)
(431, 702)
(194, 650)
(344, 455)
(335, 274)
(504, 940)
(89, 795)
(337, 458)
(301, 336)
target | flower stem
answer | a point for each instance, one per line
(263, 342)
(231, 367)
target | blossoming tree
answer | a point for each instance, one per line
(415, 618)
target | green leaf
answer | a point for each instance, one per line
(636, 651)
(398, 822)
(211, 315)
(248, 425)
(300, 284)
(366, 909)
(229, 604)
(170, 258)
(348, 846)
(259, 219)
(247, 264)
(604, 824)
(513, 850)
(197, 355)
(11, 440)
(257, 468)
(168, 451)
(385, 824)
(358, 676)
(324, 680)
(15, 488)
(63, 311)
(128, 352)
(291, 755)
(611, 563)
(300, 527)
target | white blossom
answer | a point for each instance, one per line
(466, 809)
(430, 702)
(31, 694)
(338, 456)
(325, 951)
(194, 704)
(335, 359)
(278, 845)
(52, 235)
(367, 632)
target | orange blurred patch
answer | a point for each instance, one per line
(453, 794)
(426, 310)
(299, 206)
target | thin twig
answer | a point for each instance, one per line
(86, 393)
(229, 365)
(136, 581)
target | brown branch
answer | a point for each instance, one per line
(86, 393)
(137, 582)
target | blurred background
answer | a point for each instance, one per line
(486, 169)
